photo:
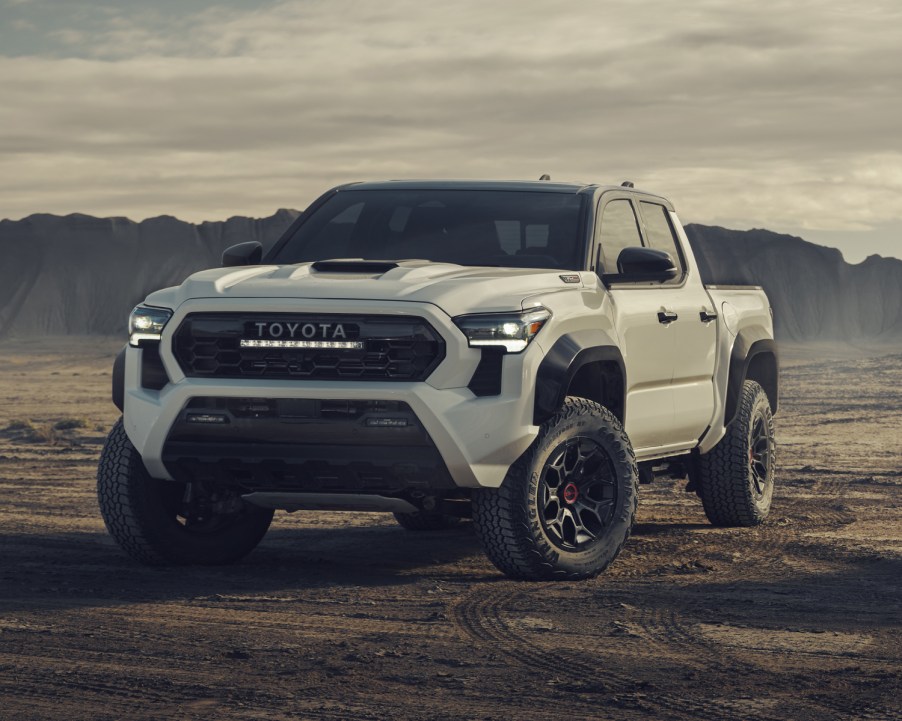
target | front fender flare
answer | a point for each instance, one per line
(119, 380)
(569, 353)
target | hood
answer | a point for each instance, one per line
(453, 288)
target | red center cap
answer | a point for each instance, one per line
(571, 493)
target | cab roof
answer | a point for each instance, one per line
(538, 186)
(529, 186)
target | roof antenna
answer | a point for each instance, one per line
(627, 184)
(545, 176)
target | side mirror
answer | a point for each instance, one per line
(638, 265)
(249, 253)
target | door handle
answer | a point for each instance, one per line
(707, 316)
(666, 316)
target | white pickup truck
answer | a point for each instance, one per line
(522, 353)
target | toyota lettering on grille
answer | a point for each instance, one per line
(307, 331)
(287, 334)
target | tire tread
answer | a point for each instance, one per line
(723, 472)
(119, 462)
(501, 519)
(125, 494)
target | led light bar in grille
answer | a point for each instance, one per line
(330, 344)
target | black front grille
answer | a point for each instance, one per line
(402, 348)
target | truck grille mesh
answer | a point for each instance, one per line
(402, 348)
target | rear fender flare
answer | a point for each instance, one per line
(751, 343)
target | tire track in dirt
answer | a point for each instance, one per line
(479, 616)
(103, 706)
(666, 629)
(662, 629)
(779, 539)
(105, 675)
(167, 688)
(834, 487)
(667, 632)
(48, 685)
(853, 710)
(671, 635)
(307, 615)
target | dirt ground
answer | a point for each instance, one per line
(340, 616)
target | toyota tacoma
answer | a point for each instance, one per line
(520, 353)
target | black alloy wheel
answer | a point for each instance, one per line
(761, 450)
(577, 493)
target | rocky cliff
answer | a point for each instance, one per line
(81, 275)
(815, 294)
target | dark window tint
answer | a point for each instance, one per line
(619, 230)
(660, 233)
(336, 232)
(469, 227)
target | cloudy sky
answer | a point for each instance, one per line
(778, 114)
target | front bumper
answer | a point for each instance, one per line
(478, 438)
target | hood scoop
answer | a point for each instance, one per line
(354, 265)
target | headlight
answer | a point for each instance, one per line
(511, 331)
(146, 323)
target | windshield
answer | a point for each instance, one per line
(468, 227)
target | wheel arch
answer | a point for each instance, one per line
(583, 363)
(754, 357)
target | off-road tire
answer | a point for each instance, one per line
(135, 513)
(425, 521)
(510, 524)
(726, 475)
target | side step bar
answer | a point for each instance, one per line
(329, 502)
